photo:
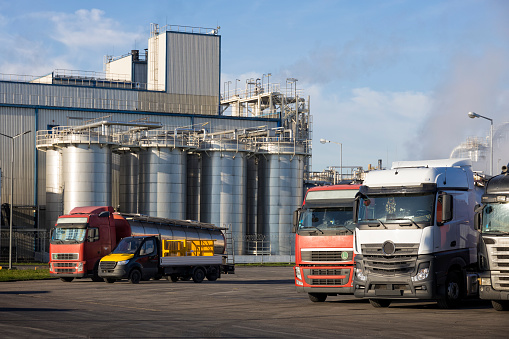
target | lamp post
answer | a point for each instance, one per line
(474, 115)
(12, 191)
(323, 141)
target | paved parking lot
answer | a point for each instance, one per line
(256, 302)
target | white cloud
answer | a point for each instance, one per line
(90, 29)
(371, 125)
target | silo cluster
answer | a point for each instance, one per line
(248, 184)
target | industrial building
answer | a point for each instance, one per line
(154, 134)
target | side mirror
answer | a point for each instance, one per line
(447, 208)
(296, 215)
(104, 214)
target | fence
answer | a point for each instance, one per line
(27, 246)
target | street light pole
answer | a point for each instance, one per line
(474, 115)
(12, 191)
(323, 141)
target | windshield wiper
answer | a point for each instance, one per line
(407, 219)
(497, 232)
(343, 226)
(313, 227)
(379, 222)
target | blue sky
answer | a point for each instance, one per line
(390, 80)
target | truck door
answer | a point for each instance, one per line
(148, 258)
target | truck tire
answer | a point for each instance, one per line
(95, 275)
(453, 291)
(198, 274)
(174, 278)
(500, 305)
(135, 276)
(317, 297)
(67, 279)
(213, 273)
(110, 280)
(378, 303)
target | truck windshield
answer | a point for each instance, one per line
(128, 245)
(73, 235)
(385, 208)
(324, 218)
(496, 218)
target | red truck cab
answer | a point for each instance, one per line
(81, 238)
(324, 258)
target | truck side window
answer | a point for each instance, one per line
(148, 247)
(93, 234)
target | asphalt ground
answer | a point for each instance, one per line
(256, 302)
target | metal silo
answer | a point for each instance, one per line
(223, 187)
(128, 182)
(86, 175)
(252, 203)
(54, 185)
(162, 191)
(281, 178)
(193, 186)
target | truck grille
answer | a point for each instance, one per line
(65, 256)
(321, 256)
(499, 263)
(107, 265)
(324, 280)
(389, 258)
(64, 264)
(64, 270)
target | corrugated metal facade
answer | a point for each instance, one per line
(193, 63)
(14, 120)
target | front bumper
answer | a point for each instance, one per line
(324, 279)
(67, 269)
(396, 286)
(119, 272)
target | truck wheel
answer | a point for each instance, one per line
(198, 275)
(110, 280)
(135, 276)
(213, 273)
(67, 279)
(317, 297)
(174, 277)
(500, 305)
(95, 276)
(380, 302)
(453, 292)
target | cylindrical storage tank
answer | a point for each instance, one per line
(162, 185)
(54, 185)
(86, 175)
(281, 179)
(193, 187)
(128, 182)
(223, 188)
(251, 204)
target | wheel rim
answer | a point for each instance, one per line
(453, 290)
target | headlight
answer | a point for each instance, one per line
(297, 273)
(486, 281)
(79, 267)
(360, 275)
(422, 272)
(123, 262)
